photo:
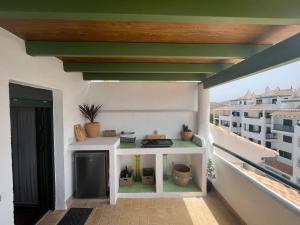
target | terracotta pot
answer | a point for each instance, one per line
(187, 136)
(92, 129)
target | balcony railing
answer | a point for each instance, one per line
(262, 169)
(268, 121)
(225, 125)
(252, 117)
(271, 136)
(282, 127)
(253, 131)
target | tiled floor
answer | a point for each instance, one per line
(209, 210)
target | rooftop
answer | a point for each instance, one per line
(287, 113)
(280, 166)
(269, 93)
(286, 192)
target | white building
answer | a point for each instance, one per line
(286, 125)
(270, 119)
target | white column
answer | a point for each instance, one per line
(203, 112)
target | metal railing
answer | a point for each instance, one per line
(282, 127)
(271, 136)
(260, 168)
(253, 131)
(252, 117)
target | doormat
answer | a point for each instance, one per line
(75, 216)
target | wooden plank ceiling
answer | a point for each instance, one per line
(113, 50)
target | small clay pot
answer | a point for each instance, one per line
(187, 136)
(92, 129)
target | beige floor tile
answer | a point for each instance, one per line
(188, 211)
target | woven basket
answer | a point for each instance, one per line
(181, 174)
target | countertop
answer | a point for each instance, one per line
(176, 144)
(98, 143)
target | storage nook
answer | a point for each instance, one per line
(136, 183)
(163, 160)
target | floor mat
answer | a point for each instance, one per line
(76, 216)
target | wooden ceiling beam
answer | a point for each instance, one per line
(144, 76)
(218, 11)
(140, 50)
(282, 53)
(144, 67)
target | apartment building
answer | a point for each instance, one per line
(271, 119)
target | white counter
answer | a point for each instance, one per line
(98, 143)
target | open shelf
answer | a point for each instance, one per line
(137, 187)
(170, 186)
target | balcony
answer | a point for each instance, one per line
(238, 161)
(252, 117)
(285, 128)
(253, 131)
(271, 136)
(268, 121)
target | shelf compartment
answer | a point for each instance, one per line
(146, 161)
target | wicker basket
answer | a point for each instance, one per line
(148, 176)
(127, 137)
(181, 174)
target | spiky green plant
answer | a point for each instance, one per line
(211, 171)
(90, 112)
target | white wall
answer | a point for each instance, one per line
(239, 145)
(145, 107)
(69, 90)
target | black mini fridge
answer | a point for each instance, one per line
(91, 174)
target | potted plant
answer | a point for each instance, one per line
(90, 112)
(211, 174)
(186, 133)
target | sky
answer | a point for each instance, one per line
(282, 77)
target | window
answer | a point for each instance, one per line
(245, 103)
(287, 139)
(286, 155)
(258, 142)
(258, 101)
(298, 122)
(268, 144)
(274, 100)
(287, 122)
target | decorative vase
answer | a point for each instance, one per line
(187, 135)
(92, 129)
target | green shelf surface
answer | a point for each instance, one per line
(170, 186)
(137, 187)
(176, 144)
